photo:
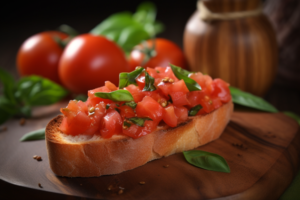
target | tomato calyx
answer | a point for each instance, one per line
(149, 52)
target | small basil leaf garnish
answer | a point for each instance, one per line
(117, 95)
(206, 160)
(38, 91)
(149, 83)
(194, 110)
(250, 100)
(126, 124)
(131, 104)
(107, 106)
(182, 74)
(117, 109)
(139, 120)
(34, 135)
(129, 78)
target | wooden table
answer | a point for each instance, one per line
(262, 150)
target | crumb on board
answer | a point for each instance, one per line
(22, 121)
(40, 185)
(166, 166)
(38, 158)
(142, 183)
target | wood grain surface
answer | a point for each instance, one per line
(242, 51)
(261, 149)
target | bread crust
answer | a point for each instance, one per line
(121, 153)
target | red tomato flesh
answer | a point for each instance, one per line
(170, 102)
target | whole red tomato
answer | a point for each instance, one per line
(162, 53)
(40, 54)
(88, 61)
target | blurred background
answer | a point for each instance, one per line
(20, 20)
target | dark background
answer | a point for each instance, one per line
(22, 19)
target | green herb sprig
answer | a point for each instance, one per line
(129, 30)
(126, 79)
(182, 74)
(19, 97)
(207, 160)
(117, 95)
(34, 135)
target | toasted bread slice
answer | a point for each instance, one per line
(88, 156)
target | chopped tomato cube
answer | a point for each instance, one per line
(111, 86)
(199, 97)
(141, 81)
(177, 91)
(93, 100)
(136, 131)
(181, 113)
(112, 124)
(220, 89)
(126, 112)
(136, 93)
(96, 117)
(76, 125)
(148, 107)
(169, 116)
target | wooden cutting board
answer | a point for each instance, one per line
(262, 150)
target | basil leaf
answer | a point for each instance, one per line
(107, 106)
(146, 12)
(131, 36)
(117, 109)
(115, 22)
(126, 79)
(37, 91)
(131, 104)
(250, 100)
(139, 120)
(206, 160)
(149, 83)
(293, 115)
(126, 124)
(117, 95)
(8, 83)
(182, 74)
(194, 110)
(34, 135)
(145, 15)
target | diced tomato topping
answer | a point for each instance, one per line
(75, 125)
(221, 89)
(170, 102)
(93, 100)
(176, 90)
(112, 124)
(136, 131)
(141, 81)
(169, 116)
(137, 94)
(199, 97)
(126, 112)
(96, 117)
(111, 86)
(181, 113)
(148, 107)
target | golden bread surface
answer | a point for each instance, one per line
(89, 156)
